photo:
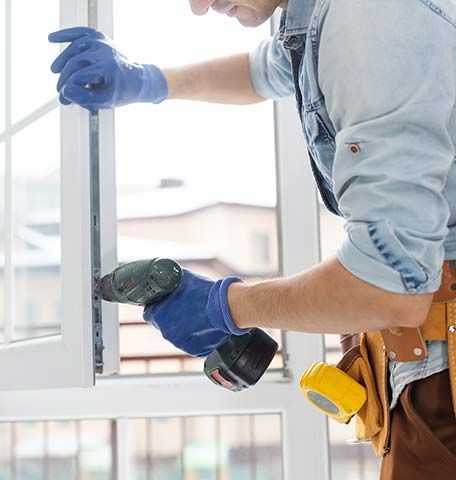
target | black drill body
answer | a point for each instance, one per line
(142, 282)
(236, 365)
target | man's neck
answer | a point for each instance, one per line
(284, 4)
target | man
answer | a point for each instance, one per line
(375, 83)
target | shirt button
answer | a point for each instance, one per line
(292, 41)
(354, 148)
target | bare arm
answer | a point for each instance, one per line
(324, 299)
(221, 80)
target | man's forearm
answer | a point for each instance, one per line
(324, 299)
(221, 80)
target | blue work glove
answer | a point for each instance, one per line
(95, 75)
(196, 317)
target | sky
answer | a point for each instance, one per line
(226, 150)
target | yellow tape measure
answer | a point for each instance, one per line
(333, 391)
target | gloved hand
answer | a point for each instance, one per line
(95, 75)
(196, 317)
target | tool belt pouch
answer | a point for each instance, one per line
(355, 362)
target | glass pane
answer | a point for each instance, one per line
(65, 450)
(2, 242)
(348, 462)
(2, 67)
(62, 450)
(96, 453)
(29, 450)
(5, 451)
(206, 448)
(246, 447)
(150, 457)
(268, 452)
(36, 258)
(195, 181)
(33, 84)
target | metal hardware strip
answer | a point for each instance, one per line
(95, 217)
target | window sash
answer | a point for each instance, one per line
(66, 359)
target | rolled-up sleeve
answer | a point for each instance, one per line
(388, 77)
(270, 69)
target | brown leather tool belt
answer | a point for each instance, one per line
(403, 345)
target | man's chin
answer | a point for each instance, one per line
(250, 20)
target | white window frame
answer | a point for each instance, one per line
(304, 430)
(67, 359)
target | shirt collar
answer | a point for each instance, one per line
(298, 15)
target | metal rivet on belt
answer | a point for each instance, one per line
(417, 351)
(452, 328)
(393, 354)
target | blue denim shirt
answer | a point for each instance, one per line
(376, 89)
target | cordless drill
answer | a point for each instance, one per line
(235, 365)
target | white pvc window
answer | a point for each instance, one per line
(241, 447)
(303, 430)
(46, 322)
